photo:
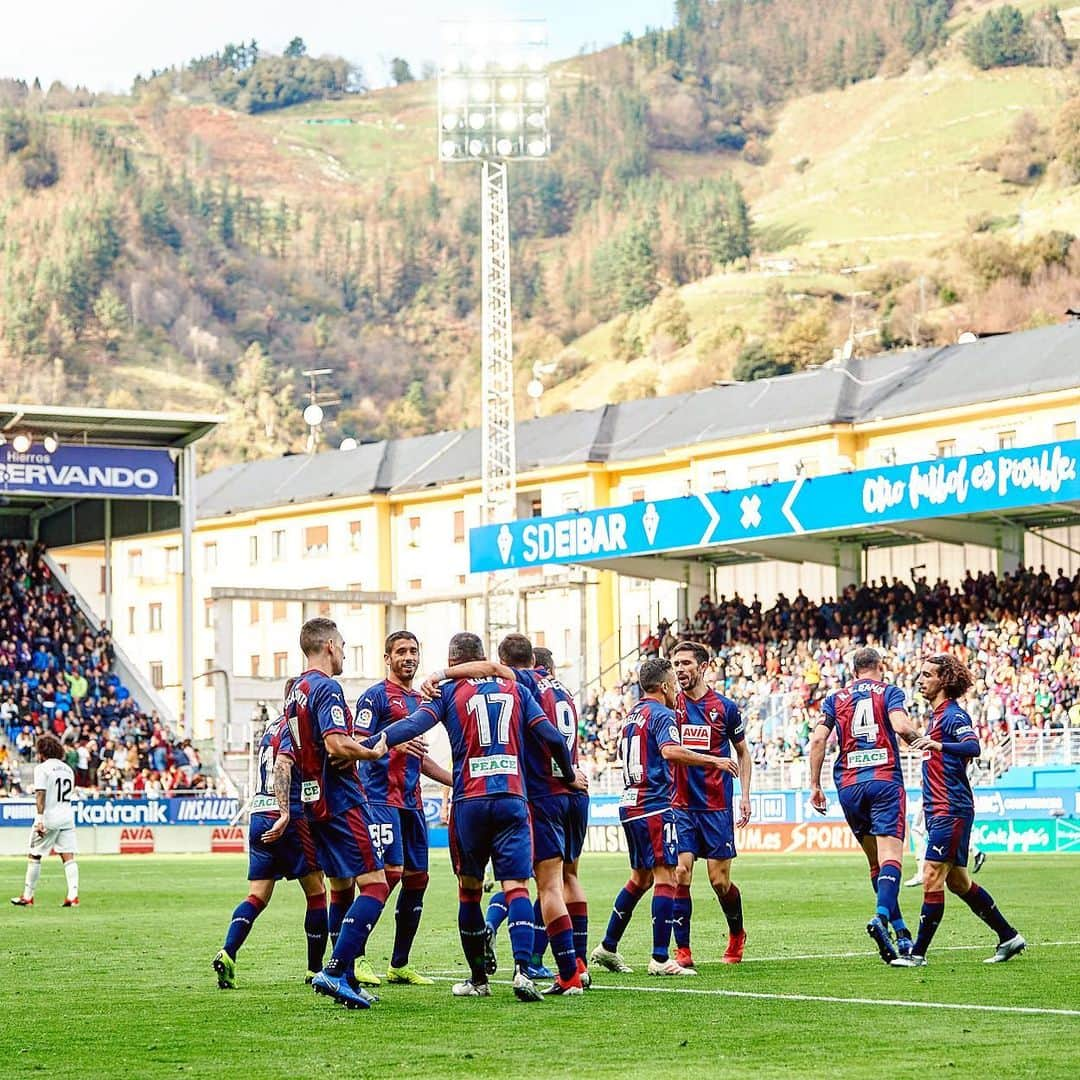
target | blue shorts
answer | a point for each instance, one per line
(875, 808)
(345, 846)
(706, 834)
(495, 828)
(948, 839)
(558, 827)
(653, 840)
(293, 856)
(402, 834)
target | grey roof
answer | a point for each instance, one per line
(894, 384)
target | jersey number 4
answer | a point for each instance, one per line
(863, 722)
(480, 707)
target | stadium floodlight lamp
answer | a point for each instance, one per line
(348, 443)
(491, 79)
(21, 443)
(313, 415)
(51, 444)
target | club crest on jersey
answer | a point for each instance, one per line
(696, 736)
(714, 715)
(496, 765)
(364, 718)
(337, 716)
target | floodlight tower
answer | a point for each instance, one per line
(493, 108)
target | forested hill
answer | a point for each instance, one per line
(203, 240)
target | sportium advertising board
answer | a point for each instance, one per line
(88, 471)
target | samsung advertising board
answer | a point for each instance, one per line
(89, 472)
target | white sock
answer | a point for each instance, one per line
(71, 872)
(33, 872)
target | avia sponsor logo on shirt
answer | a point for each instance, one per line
(603, 534)
(696, 736)
(864, 759)
(496, 765)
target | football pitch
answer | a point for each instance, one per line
(122, 986)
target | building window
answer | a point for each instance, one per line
(157, 674)
(324, 609)
(355, 586)
(255, 667)
(131, 620)
(414, 584)
(357, 658)
(536, 507)
(253, 550)
(539, 639)
(571, 502)
(254, 610)
(279, 611)
(459, 526)
(281, 665)
(172, 560)
(208, 613)
(946, 448)
(461, 579)
(155, 616)
(414, 532)
(354, 535)
(1006, 440)
(210, 556)
(1065, 431)
(718, 480)
(208, 667)
(316, 540)
(101, 588)
(277, 545)
(135, 562)
(637, 494)
(763, 474)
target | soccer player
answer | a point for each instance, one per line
(709, 723)
(918, 836)
(949, 807)
(650, 744)
(54, 822)
(559, 817)
(486, 720)
(392, 786)
(279, 846)
(321, 728)
(867, 715)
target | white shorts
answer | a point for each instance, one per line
(62, 841)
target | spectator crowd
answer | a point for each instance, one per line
(56, 675)
(1019, 633)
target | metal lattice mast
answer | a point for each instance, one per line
(499, 466)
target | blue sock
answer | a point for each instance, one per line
(933, 909)
(895, 917)
(356, 927)
(540, 937)
(579, 917)
(561, 933)
(340, 902)
(243, 917)
(520, 924)
(316, 928)
(496, 911)
(662, 900)
(410, 906)
(681, 909)
(888, 889)
(625, 902)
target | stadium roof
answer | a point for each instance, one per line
(108, 427)
(857, 390)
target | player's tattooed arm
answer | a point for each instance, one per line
(282, 782)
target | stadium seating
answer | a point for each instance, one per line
(56, 674)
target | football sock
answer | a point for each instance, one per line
(888, 889)
(340, 902)
(519, 922)
(681, 910)
(932, 910)
(392, 878)
(731, 905)
(242, 920)
(410, 907)
(625, 902)
(540, 937)
(71, 872)
(982, 904)
(561, 933)
(496, 911)
(895, 917)
(579, 917)
(359, 920)
(316, 929)
(471, 930)
(33, 872)
(662, 900)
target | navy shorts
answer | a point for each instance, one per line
(653, 840)
(402, 833)
(558, 827)
(875, 808)
(706, 834)
(948, 839)
(345, 846)
(293, 856)
(495, 828)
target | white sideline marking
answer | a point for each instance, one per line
(761, 996)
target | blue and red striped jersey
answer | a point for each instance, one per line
(708, 726)
(315, 707)
(860, 716)
(393, 780)
(275, 742)
(542, 773)
(646, 774)
(946, 789)
(486, 720)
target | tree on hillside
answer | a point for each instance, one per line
(1000, 39)
(400, 71)
(757, 361)
(296, 48)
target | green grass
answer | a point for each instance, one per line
(122, 986)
